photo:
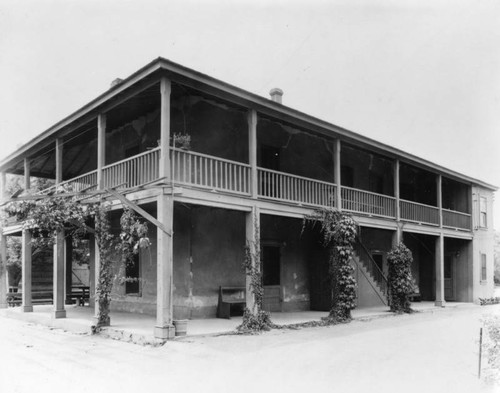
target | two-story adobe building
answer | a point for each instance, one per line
(254, 168)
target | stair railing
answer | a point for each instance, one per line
(373, 268)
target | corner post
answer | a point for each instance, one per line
(59, 311)
(27, 305)
(337, 175)
(27, 175)
(164, 328)
(399, 234)
(3, 186)
(3, 271)
(92, 269)
(252, 228)
(439, 187)
(69, 269)
(252, 154)
(59, 160)
(101, 149)
(440, 302)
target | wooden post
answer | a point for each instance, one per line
(69, 269)
(164, 328)
(480, 351)
(337, 175)
(59, 311)
(440, 302)
(252, 152)
(399, 234)
(252, 228)
(3, 271)
(101, 149)
(92, 275)
(165, 90)
(97, 269)
(27, 180)
(3, 186)
(27, 305)
(440, 199)
(59, 160)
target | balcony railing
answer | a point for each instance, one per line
(205, 171)
(454, 219)
(134, 171)
(355, 200)
(213, 173)
(418, 212)
(291, 188)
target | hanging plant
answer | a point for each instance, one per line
(339, 234)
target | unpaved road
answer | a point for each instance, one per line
(425, 352)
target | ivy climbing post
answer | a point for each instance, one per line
(400, 279)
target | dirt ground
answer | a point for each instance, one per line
(424, 352)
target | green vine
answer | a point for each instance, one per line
(400, 279)
(339, 234)
(255, 320)
(133, 237)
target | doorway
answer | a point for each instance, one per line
(271, 277)
(449, 277)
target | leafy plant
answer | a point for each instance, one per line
(400, 279)
(339, 234)
(182, 140)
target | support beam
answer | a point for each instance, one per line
(164, 328)
(141, 211)
(59, 311)
(92, 270)
(27, 305)
(3, 271)
(439, 187)
(337, 176)
(59, 160)
(97, 271)
(165, 90)
(27, 175)
(101, 149)
(252, 152)
(396, 190)
(3, 187)
(440, 302)
(252, 229)
(68, 282)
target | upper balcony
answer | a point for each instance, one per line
(249, 153)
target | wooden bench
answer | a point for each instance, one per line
(229, 296)
(37, 297)
(80, 293)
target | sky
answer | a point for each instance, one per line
(422, 76)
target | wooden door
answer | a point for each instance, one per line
(271, 277)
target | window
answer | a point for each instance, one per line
(132, 272)
(483, 267)
(482, 212)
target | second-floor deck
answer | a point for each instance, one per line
(191, 169)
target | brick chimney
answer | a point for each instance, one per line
(276, 95)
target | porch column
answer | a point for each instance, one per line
(59, 311)
(165, 90)
(59, 160)
(69, 269)
(97, 269)
(164, 328)
(440, 199)
(252, 221)
(92, 269)
(3, 186)
(252, 154)
(27, 305)
(337, 175)
(399, 234)
(3, 271)
(27, 175)
(440, 271)
(101, 149)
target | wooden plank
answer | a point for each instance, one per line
(138, 210)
